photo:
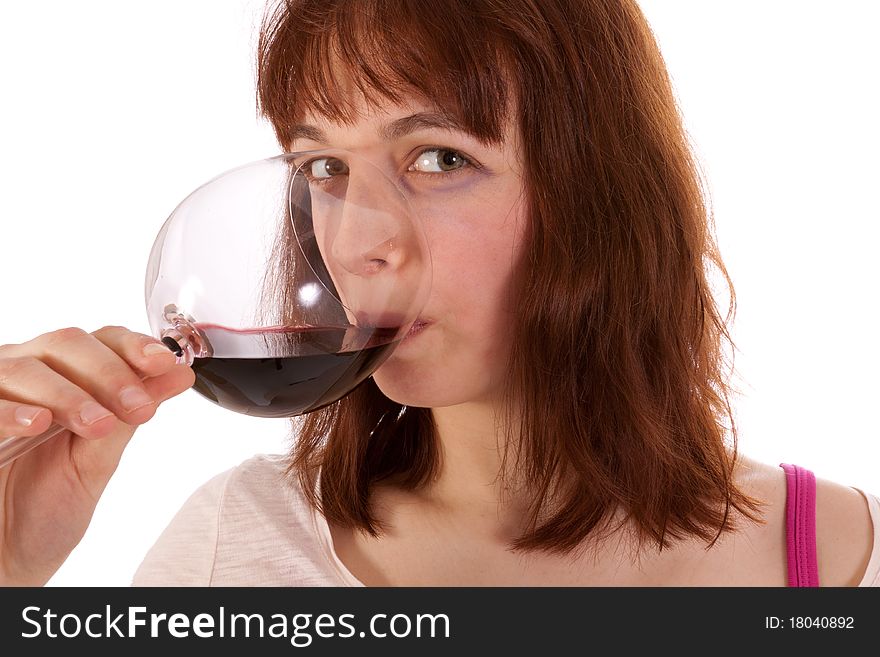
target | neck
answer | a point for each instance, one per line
(471, 486)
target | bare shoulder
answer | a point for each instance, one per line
(844, 530)
(844, 527)
(844, 534)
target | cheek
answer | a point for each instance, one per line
(477, 256)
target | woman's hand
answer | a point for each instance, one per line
(99, 386)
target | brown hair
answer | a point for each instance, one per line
(616, 361)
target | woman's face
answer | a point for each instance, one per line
(469, 201)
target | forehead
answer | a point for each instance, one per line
(375, 109)
(384, 120)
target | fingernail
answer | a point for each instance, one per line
(92, 412)
(133, 398)
(25, 415)
(152, 349)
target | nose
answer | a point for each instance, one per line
(374, 233)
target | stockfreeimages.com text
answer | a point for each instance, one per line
(135, 622)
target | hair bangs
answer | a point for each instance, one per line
(387, 52)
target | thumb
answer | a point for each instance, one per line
(96, 459)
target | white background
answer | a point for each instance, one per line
(112, 112)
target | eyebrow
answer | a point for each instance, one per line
(392, 131)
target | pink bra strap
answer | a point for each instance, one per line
(800, 525)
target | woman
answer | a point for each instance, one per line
(558, 421)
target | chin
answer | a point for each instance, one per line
(404, 385)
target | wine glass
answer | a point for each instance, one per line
(284, 283)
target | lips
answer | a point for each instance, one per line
(417, 327)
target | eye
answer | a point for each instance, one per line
(438, 160)
(322, 168)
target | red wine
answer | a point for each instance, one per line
(317, 366)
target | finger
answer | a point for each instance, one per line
(30, 381)
(147, 355)
(175, 381)
(110, 444)
(23, 419)
(98, 458)
(90, 364)
(129, 345)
